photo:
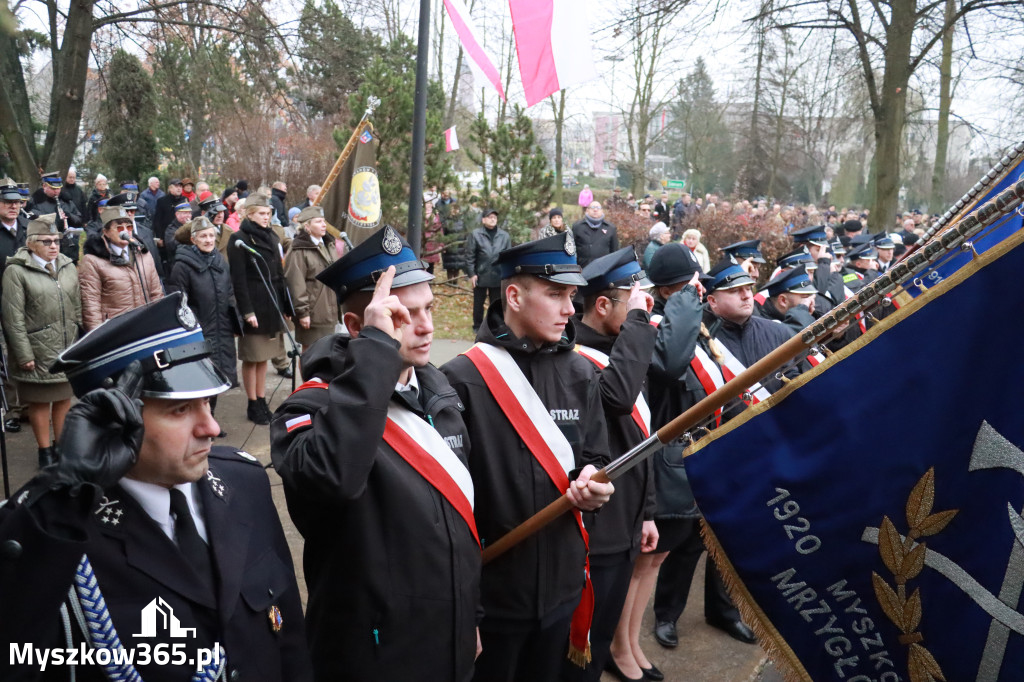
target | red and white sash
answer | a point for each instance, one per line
(533, 423)
(732, 368)
(641, 411)
(424, 449)
(709, 374)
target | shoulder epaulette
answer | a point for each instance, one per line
(230, 454)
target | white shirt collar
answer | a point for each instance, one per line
(12, 228)
(42, 262)
(413, 383)
(156, 501)
(317, 241)
(114, 248)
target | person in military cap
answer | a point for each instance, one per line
(825, 273)
(116, 274)
(140, 229)
(747, 254)
(182, 215)
(201, 273)
(70, 222)
(165, 208)
(312, 250)
(861, 266)
(616, 335)
(482, 248)
(524, 363)
(686, 367)
(41, 296)
(13, 222)
(885, 245)
(262, 297)
(791, 299)
(730, 320)
(373, 453)
(144, 537)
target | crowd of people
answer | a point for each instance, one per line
(396, 473)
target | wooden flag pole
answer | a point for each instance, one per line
(901, 273)
(350, 147)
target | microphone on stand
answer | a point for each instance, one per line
(126, 235)
(245, 247)
(348, 242)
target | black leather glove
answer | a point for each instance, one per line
(102, 433)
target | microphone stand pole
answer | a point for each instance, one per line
(134, 253)
(293, 352)
(3, 431)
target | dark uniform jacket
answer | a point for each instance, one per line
(594, 242)
(616, 528)
(830, 288)
(10, 242)
(135, 563)
(751, 341)
(673, 388)
(795, 319)
(204, 278)
(544, 573)
(392, 568)
(250, 291)
(482, 249)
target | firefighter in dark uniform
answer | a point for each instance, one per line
(392, 559)
(524, 360)
(791, 299)
(616, 335)
(861, 266)
(746, 254)
(684, 370)
(825, 275)
(143, 539)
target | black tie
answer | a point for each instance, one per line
(196, 552)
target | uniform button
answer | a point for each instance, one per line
(235, 675)
(11, 549)
(271, 591)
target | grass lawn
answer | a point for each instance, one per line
(453, 310)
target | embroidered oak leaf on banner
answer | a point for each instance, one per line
(904, 557)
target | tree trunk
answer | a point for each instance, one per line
(559, 112)
(67, 96)
(15, 116)
(937, 200)
(745, 181)
(891, 115)
(449, 116)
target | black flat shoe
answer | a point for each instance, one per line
(12, 425)
(612, 668)
(653, 673)
(736, 629)
(286, 372)
(254, 412)
(665, 633)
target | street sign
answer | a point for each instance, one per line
(675, 184)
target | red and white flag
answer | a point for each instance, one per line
(451, 140)
(553, 43)
(480, 61)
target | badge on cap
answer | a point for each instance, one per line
(186, 316)
(570, 243)
(392, 243)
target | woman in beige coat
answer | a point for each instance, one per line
(115, 275)
(312, 250)
(42, 314)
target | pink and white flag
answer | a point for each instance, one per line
(553, 43)
(480, 61)
(451, 140)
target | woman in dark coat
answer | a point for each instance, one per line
(201, 273)
(262, 332)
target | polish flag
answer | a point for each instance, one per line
(480, 61)
(553, 43)
(451, 140)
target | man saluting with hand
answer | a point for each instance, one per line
(373, 452)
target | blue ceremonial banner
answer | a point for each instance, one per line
(869, 512)
(988, 238)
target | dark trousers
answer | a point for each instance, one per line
(532, 651)
(676, 575)
(479, 294)
(610, 576)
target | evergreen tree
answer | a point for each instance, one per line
(332, 55)
(391, 76)
(521, 178)
(698, 133)
(127, 119)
